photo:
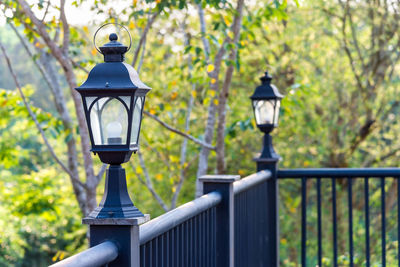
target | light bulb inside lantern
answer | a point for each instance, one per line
(114, 130)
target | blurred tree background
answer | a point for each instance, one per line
(336, 62)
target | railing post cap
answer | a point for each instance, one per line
(216, 178)
(266, 160)
(116, 221)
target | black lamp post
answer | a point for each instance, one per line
(113, 98)
(266, 104)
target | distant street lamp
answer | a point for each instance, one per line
(266, 101)
(113, 99)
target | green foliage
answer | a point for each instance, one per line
(39, 216)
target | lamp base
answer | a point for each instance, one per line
(116, 202)
(268, 152)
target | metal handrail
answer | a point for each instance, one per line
(177, 216)
(250, 181)
(339, 172)
(95, 256)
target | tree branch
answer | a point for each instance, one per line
(65, 25)
(100, 175)
(77, 65)
(172, 129)
(205, 41)
(143, 36)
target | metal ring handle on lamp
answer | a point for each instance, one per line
(120, 25)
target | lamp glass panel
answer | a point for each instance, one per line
(109, 121)
(136, 120)
(264, 111)
(277, 110)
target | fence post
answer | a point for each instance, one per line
(268, 160)
(124, 232)
(224, 216)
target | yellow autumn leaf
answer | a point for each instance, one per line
(39, 45)
(55, 257)
(173, 83)
(139, 170)
(213, 80)
(212, 93)
(152, 111)
(174, 95)
(210, 68)
(93, 52)
(62, 255)
(174, 158)
(241, 172)
(226, 20)
(194, 93)
(86, 29)
(173, 189)
(216, 102)
(159, 176)
(131, 25)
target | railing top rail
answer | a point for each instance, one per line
(177, 216)
(339, 172)
(95, 256)
(250, 181)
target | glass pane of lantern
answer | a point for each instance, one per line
(264, 111)
(137, 117)
(277, 109)
(109, 121)
(89, 100)
(127, 100)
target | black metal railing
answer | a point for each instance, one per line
(96, 256)
(190, 234)
(251, 220)
(346, 178)
(185, 236)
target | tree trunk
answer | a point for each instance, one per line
(223, 96)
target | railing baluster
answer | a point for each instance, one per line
(398, 221)
(383, 217)
(166, 248)
(202, 239)
(183, 248)
(191, 253)
(366, 196)
(350, 200)
(319, 214)
(143, 256)
(303, 222)
(334, 222)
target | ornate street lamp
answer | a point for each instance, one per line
(113, 99)
(266, 104)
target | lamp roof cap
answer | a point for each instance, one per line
(266, 90)
(113, 51)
